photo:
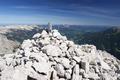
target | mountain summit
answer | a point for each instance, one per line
(50, 56)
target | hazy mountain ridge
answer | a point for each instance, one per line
(19, 35)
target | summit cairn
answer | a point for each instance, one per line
(49, 27)
(50, 56)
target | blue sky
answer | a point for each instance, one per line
(84, 12)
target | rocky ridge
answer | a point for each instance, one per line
(7, 46)
(50, 56)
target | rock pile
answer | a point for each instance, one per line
(50, 56)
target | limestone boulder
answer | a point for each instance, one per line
(37, 35)
(52, 50)
(60, 70)
(65, 62)
(41, 68)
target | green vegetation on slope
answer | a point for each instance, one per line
(108, 40)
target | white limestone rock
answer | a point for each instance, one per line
(51, 50)
(63, 47)
(88, 48)
(2, 64)
(44, 34)
(60, 70)
(93, 76)
(61, 79)
(70, 43)
(65, 62)
(79, 52)
(77, 59)
(35, 49)
(26, 44)
(64, 38)
(67, 75)
(82, 71)
(42, 67)
(28, 64)
(76, 75)
(85, 65)
(19, 75)
(56, 34)
(6, 73)
(76, 69)
(45, 41)
(103, 64)
(71, 51)
(54, 75)
(40, 57)
(27, 52)
(72, 63)
(37, 35)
